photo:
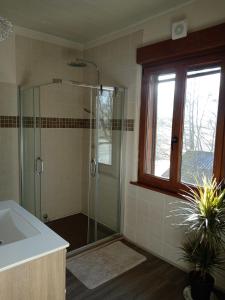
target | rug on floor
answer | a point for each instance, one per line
(103, 264)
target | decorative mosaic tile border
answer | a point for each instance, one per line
(9, 121)
(29, 122)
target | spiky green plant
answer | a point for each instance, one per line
(205, 259)
(204, 216)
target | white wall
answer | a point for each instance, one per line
(145, 218)
(7, 57)
(200, 14)
(38, 62)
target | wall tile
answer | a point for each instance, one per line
(9, 184)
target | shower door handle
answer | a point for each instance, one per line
(93, 166)
(39, 166)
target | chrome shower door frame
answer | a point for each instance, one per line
(33, 131)
(37, 177)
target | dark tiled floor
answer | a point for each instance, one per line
(74, 229)
(154, 279)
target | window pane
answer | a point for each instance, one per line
(105, 127)
(203, 71)
(161, 124)
(201, 105)
(166, 77)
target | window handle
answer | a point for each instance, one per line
(174, 140)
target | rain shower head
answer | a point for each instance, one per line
(77, 64)
(80, 63)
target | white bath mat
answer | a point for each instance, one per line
(98, 266)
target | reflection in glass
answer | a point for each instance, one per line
(201, 105)
(160, 117)
(105, 127)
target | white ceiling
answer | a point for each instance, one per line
(82, 20)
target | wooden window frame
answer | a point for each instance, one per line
(205, 48)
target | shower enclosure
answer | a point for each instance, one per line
(71, 141)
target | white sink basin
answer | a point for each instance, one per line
(23, 237)
(13, 227)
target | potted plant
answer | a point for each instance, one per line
(203, 214)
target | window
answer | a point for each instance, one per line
(160, 115)
(182, 123)
(105, 127)
(200, 118)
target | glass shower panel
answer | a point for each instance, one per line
(30, 150)
(106, 136)
(110, 104)
(93, 168)
(78, 134)
(65, 113)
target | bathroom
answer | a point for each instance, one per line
(60, 98)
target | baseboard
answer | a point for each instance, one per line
(166, 260)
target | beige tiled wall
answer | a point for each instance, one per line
(62, 152)
(62, 176)
(9, 184)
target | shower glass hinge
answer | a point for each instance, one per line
(45, 218)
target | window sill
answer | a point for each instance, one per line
(169, 193)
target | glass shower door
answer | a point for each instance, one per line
(109, 137)
(105, 159)
(30, 150)
(93, 168)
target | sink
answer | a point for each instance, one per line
(23, 237)
(14, 228)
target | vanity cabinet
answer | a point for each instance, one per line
(42, 278)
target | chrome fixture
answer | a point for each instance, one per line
(73, 82)
(77, 64)
(6, 28)
(81, 63)
(93, 167)
(45, 218)
(39, 166)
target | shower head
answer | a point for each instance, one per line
(77, 64)
(80, 63)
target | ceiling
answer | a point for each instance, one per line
(82, 20)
